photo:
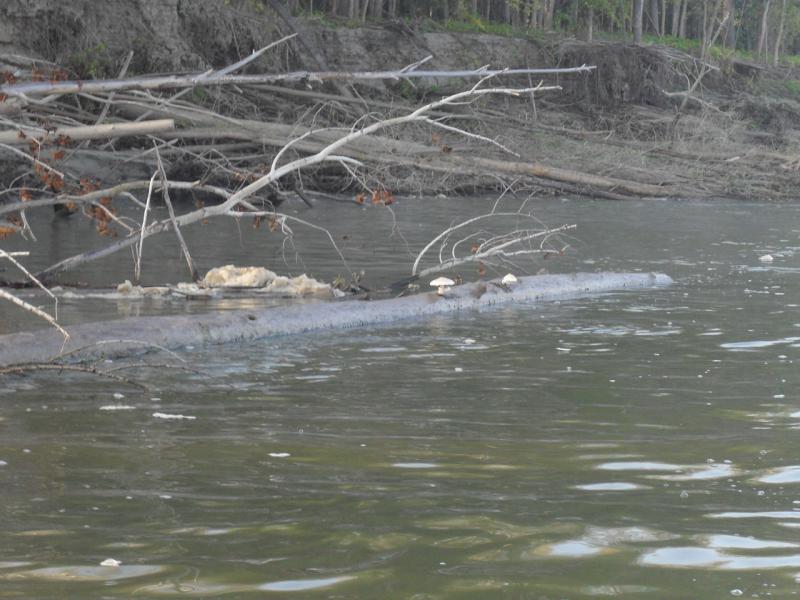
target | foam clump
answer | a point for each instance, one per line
(264, 280)
(127, 290)
(240, 277)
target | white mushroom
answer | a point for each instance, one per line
(441, 284)
(508, 279)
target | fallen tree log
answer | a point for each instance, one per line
(129, 336)
(40, 88)
(390, 151)
(23, 134)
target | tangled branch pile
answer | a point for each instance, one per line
(108, 148)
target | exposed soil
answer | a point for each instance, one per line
(738, 136)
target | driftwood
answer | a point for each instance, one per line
(129, 336)
(48, 88)
(23, 134)
(333, 152)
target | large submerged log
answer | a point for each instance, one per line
(129, 336)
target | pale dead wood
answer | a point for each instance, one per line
(52, 320)
(34, 310)
(165, 192)
(88, 132)
(329, 153)
(21, 369)
(26, 90)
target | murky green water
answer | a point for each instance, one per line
(633, 445)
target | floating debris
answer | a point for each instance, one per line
(110, 562)
(767, 258)
(264, 280)
(160, 415)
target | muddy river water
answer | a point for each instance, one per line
(643, 444)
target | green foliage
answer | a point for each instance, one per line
(792, 86)
(791, 60)
(258, 6)
(477, 25)
(92, 63)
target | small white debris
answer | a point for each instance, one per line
(160, 415)
(118, 396)
(737, 592)
(110, 562)
(3, 463)
(458, 370)
(117, 407)
(279, 454)
(126, 287)
(767, 258)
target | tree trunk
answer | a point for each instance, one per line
(654, 17)
(590, 24)
(473, 7)
(729, 39)
(676, 18)
(779, 39)
(663, 30)
(376, 9)
(762, 36)
(638, 16)
(548, 14)
(684, 18)
(706, 34)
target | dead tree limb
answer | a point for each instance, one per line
(330, 153)
(165, 192)
(20, 369)
(38, 88)
(22, 134)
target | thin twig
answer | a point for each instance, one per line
(168, 202)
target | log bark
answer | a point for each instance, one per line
(89, 132)
(135, 335)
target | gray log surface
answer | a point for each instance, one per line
(175, 331)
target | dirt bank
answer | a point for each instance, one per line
(629, 122)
